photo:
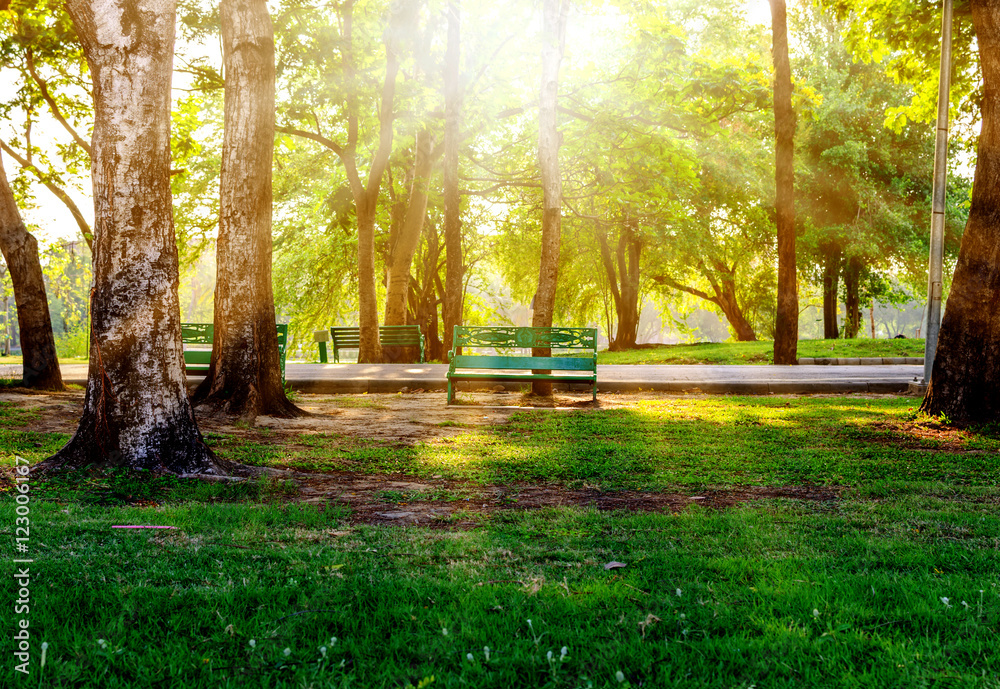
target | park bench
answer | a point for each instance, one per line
(197, 361)
(389, 336)
(509, 367)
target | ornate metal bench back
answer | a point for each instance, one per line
(197, 333)
(501, 337)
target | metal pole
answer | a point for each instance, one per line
(934, 277)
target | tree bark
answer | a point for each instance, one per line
(831, 285)
(451, 309)
(136, 410)
(554, 16)
(786, 327)
(39, 361)
(965, 380)
(244, 378)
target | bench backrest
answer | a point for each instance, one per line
(503, 337)
(389, 336)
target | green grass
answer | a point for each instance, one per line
(760, 352)
(655, 445)
(16, 360)
(775, 593)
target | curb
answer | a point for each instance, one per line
(862, 361)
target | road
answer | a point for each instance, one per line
(739, 380)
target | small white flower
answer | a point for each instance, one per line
(322, 651)
(287, 652)
(620, 676)
(562, 652)
(333, 641)
(45, 647)
(678, 593)
(945, 600)
(966, 605)
(549, 656)
(815, 612)
(102, 643)
(253, 643)
(683, 616)
(470, 657)
(486, 652)
(444, 631)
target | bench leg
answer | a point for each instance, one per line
(322, 352)
(595, 390)
(451, 393)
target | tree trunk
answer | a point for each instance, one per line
(136, 410)
(555, 14)
(451, 309)
(786, 326)
(624, 285)
(424, 294)
(965, 380)
(39, 362)
(726, 300)
(723, 295)
(403, 245)
(244, 378)
(366, 195)
(831, 285)
(852, 301)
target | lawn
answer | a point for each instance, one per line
(774, 541)
(761, 352)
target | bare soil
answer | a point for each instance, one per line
(406, 418)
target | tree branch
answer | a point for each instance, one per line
(53, 106)
(312, 136)
(81, 222)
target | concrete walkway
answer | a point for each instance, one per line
(736, 380)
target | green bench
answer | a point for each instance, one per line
(565, 369)
(197, 361)
(389, 336)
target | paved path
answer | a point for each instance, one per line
(741, 380)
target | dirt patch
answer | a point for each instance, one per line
(464, 506)
(912, 434)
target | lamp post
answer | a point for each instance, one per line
(934, 277)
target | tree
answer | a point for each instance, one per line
(786, 326)
(965, 381)
(39, 363)
(451, 310)
(244, 378)
(863, 186)
(136, 410)
(365, 192)
(555, 14)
